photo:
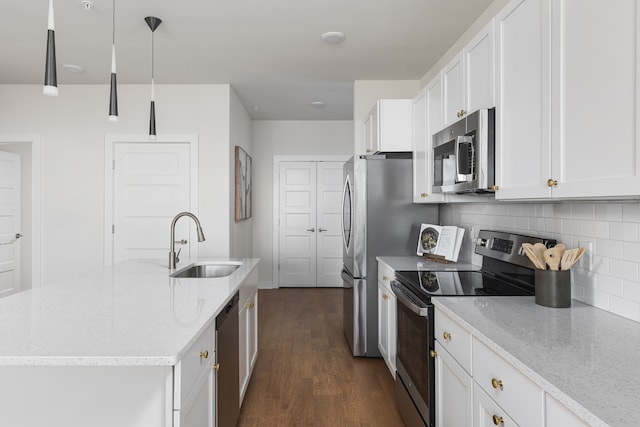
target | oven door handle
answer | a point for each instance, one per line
(401, 296)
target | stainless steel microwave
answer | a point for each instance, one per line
(464, 155)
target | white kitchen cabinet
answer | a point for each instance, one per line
(454, 387)
(468, 79)
(558, 415)
(566, 123)
(387, 321)
(388, 126)
(594, 125)
(199, 408)
(427, 120)
(523, 146)
(486, 412)
(248, 324)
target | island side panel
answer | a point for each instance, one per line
(86, 396)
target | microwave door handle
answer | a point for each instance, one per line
(462, 139)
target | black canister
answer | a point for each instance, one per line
(553, 288)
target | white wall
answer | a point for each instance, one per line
(240, 135)
(365, 95)
(72, 127)
(608, 277)
(280, 138)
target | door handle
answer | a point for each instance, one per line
(311, 229)
(320, 230)
(18, 235)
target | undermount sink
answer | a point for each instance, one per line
(207, 270)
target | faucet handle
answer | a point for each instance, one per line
(178, 255)
(181, 242)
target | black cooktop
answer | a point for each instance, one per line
(425, 284)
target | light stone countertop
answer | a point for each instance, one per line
(417, 263)
(129, 314)
(587, 358)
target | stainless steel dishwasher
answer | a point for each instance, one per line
(227, 353)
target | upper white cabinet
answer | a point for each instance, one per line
(468, 79)
(427, 119)
(594, 89)
(522, 100)
(566, 97)
(388, 126)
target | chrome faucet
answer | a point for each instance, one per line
(173, 256)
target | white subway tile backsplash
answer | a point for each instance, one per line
(583, 211)
(624, 269)
(607, 278)
(625, 231)
(625, 308)
(609, 212)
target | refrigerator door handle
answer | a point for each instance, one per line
(346, 186)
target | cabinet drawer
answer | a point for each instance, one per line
(511, 389)
(486, 412)
(385, 275)
(455, 339)
(196, 359)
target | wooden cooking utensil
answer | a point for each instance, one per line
(570, 257)
(528, 250)
(539, 249)
(561, 247)
(552, 258)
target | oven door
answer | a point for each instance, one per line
(415, 379)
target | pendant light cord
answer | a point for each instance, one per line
(113, 26)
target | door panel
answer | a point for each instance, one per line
(9, 223)
(297, 243)
(151, 186)
(329, 236)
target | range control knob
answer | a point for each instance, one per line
(481, 242)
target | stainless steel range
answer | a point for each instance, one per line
(506, 271)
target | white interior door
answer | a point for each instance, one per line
(151, 185)
(297, 231)
(9, 223)
(329, 237)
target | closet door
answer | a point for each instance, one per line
(329, 236)
(297, 230)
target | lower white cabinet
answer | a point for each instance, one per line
(453, 391)
(199, 408)
(486, 412)
(248, 325)
(558, 415)
(387, 321)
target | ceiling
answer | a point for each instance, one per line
(270, 51)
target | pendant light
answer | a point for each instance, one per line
(153, 23)
(113, 96)
(50, 77)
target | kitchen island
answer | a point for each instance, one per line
(126, 345)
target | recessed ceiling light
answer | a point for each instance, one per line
(333, 37)
(256, 108)
(318, 104)
(87, 5)
(73, 68)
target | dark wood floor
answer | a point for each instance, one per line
(305, 374)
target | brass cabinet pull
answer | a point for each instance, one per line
(204, 354)
(498, 420)
(446, 335)
(462, 112)
(251, 305)
(385, 296)
(423, 195)
(216, 366)
(385, 278)
(552, 182)
(495, 383)
(433, 353)
(495, 187)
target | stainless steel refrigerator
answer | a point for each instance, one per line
(378, 218)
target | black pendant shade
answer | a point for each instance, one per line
(50, 76)
(113, 95)
(153, 23)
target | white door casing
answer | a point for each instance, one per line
(329, 231)
(9, 223)
(146, 185)
(297, 224)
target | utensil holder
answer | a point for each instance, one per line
(553, 288)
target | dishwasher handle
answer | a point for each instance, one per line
(227, 310)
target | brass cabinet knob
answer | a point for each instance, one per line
(423, 195)
(369, 150)
(552, 182)
(385, 296)
(495, 383)
(495, 187)
(216, 366)
(462, 112)
(251, 305)
(498, 420)
(446, 335)
(433, 353)
(385, 278)
(204, 354)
